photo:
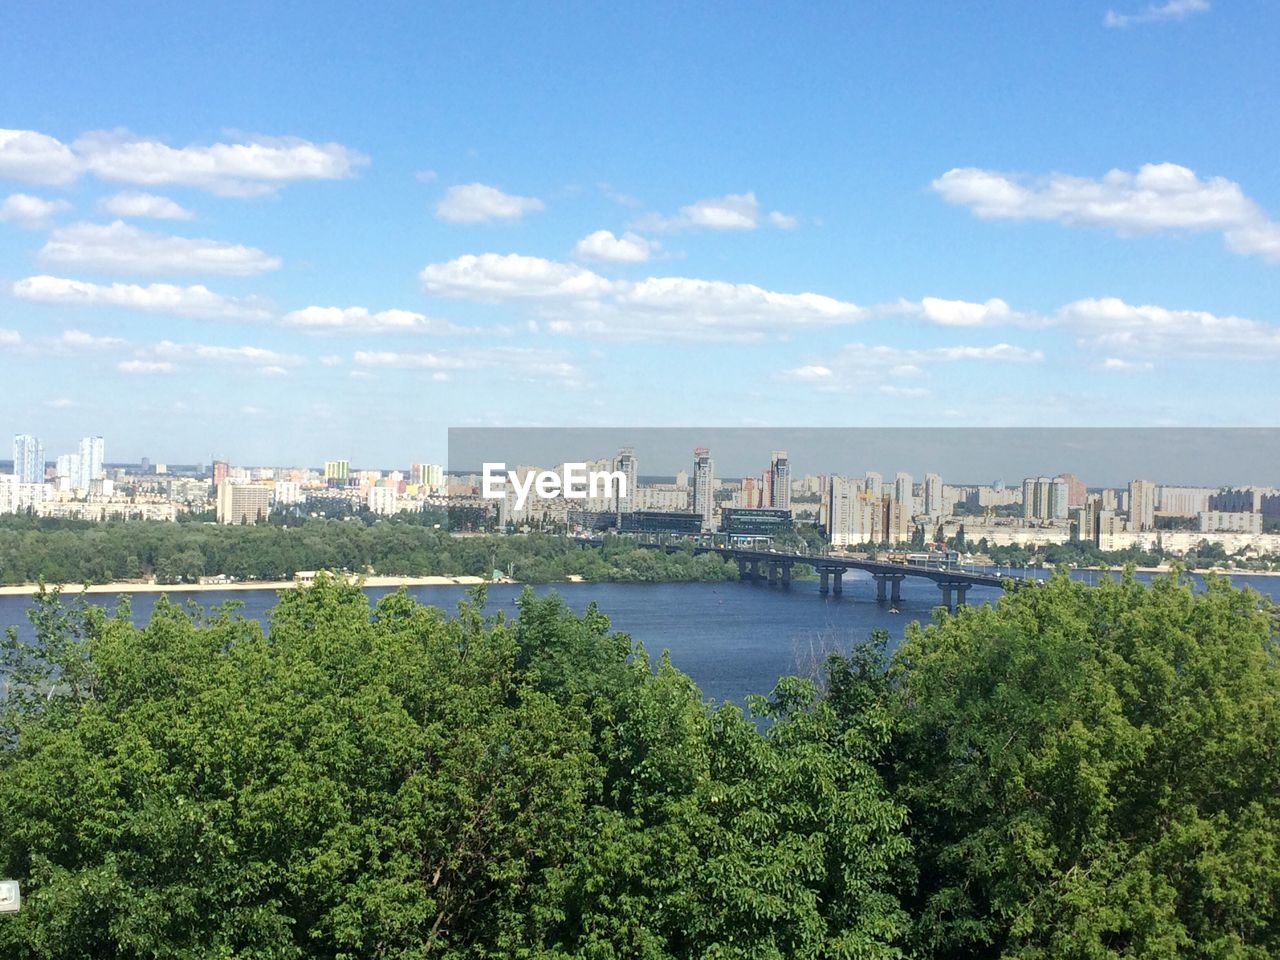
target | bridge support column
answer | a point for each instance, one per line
(773, 573)
(837, 578)
(744, 572)
(946, 596)
(786, 574)
(755, 570)
(895, 592)
(961, 590)
(880, 582)
(825, 587)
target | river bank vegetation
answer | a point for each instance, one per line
(1076, 772)
(63, 551)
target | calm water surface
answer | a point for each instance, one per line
(732, 638)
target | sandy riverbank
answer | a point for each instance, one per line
(133, 586)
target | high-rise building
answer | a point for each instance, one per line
(221, 471)
(933, 495)
(626, 464)
(1077, 492)
(850, 512)
(904, 491)
(704, 487)
(92, 451)
(383, 501)
(28, 459)
(1045, 498)
(873, 484)
(750, 492)
(243, 502)
(779, 480)
(336, 472)
(1142, 505)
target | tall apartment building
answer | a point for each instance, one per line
(1077, 492)
(1045, 498)
(850, 512)
(28, 459)
(704, 487)
(779, 480)
(336, 472)
(904, 491)
(626, 464)
(1142, 505)
(243, 502)
(933, 495)
(89, 465)
(873, 483)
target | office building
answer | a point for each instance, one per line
(28, 459)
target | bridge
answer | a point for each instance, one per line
(775, 568)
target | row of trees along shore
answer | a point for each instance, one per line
(1074, 772)
(70, 551)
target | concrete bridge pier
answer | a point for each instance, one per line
(895, 581)
(960, 590)
(773, 573)
(786, 573)
(825, 586)
(837, 581)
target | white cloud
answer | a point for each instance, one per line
(145, 366)
(1159, 196)
(811, 372)
(1157, 13)
(10, 338)
(491, 277)
(603, 245)
(783, 221)
(858, 365)
(253, 168)
(425, 176)
(361, 320)
(1110, 325)
(80, 340)
(733, 211)
(119, 246)
(258, 357)
(135, 203)
(192, 301)
(168, 357)
(580, 302)
(481, 203)
(60, 403)
(960, 313)
(1116, 365)
(518, 363)
(33, 213)
(36, 158)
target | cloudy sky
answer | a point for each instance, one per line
(282, 235)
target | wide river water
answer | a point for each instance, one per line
(732, 638)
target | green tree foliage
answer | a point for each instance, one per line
(1093, 772)
(389, 782)
(1077, 773)
(80, 552)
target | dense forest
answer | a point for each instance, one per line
(80, 552)
(1075, 772)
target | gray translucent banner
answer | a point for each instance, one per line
(1099, 457)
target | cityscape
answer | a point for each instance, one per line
(850, 512)
(639, 480)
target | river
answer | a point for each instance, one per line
(732, 638)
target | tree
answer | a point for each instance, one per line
(1092, 772)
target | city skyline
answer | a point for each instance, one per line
(803, 230)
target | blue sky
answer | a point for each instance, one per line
(288, 232)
